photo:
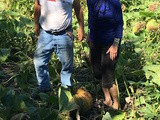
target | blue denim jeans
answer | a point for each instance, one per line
(62, 45)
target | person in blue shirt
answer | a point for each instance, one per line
(105, 21)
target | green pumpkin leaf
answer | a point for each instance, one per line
(4, 53)
(66, 102)
(120, 116)
(107, 116)
(152, 72)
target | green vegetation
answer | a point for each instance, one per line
(137, 73)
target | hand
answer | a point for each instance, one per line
(80, 33)
(113, 51)
(37, 29)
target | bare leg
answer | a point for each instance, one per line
(111, 92)
(114, 93)
(108, 100)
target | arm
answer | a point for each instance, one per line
(119, 20)
(37, 12)
(90, 14)
(80, 18)
(118, 30)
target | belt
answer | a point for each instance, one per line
(59, 32)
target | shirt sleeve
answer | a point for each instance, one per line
(118, 19)
(90, 14)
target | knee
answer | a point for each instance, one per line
(37, 62)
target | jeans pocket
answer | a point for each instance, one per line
(70, 35)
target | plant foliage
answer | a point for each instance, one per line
(137, 71)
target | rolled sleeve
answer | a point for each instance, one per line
(119, 20)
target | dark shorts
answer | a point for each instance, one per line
(103, 66)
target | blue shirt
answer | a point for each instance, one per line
(105, 20)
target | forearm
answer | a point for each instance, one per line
(79, 13)
(118, 34)
(37, 12)
(80, 18)
(119, 29)
(119, 20)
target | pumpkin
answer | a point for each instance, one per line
(152, 25)
(138, 26)
(83, 99)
